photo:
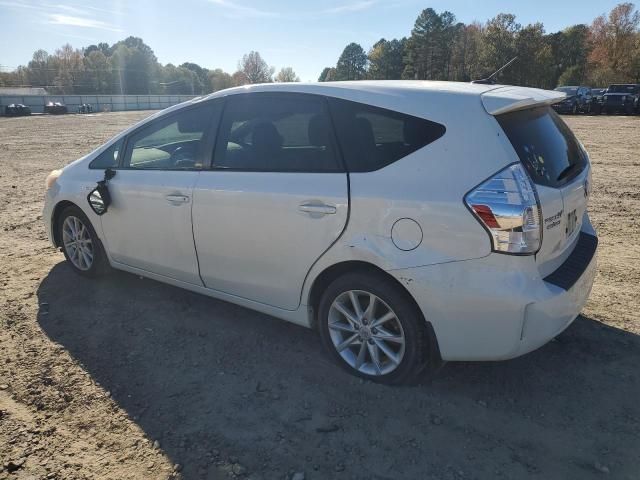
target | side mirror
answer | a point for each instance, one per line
(99, 198)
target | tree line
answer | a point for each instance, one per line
(438, 48)
(441, 48)
(131, 67)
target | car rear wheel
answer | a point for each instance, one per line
(370, 328)
(80, 244)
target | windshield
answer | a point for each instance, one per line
(623, 89)
(567, 90)
(545, 145)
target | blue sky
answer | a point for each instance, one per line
(216, 33)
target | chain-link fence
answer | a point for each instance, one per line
(99, 103)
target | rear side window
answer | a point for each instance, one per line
(545, 144)
(372, 138)
(108, 158)
(276, 133)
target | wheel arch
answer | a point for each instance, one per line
(329, 274)
(55, 217)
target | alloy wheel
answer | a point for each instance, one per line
(366, 332)
(77, 243)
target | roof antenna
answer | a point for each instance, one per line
(490, 80)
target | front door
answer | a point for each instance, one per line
(275, 200)
(148, 224)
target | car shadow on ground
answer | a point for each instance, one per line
(217, 384)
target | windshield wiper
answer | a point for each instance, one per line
(565, 173)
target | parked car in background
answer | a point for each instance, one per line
(364, 210)
(577, 100)
(622, 98)
(85, 108)
(55, 108)
(597, 95)
(17, 110)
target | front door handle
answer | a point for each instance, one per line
(177, 199)
(317, 208)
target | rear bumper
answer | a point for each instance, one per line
(568, 291)
(497, 307)
(616, 107)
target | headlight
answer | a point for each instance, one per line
(51, 178)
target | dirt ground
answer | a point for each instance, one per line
(129, 378)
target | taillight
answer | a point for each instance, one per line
(507, 206)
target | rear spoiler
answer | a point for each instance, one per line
(508, 99)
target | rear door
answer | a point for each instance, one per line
(275, 199)
(559, 167)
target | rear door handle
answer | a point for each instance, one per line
(317, 208)
(177, 199)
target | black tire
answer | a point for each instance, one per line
(420, 349)
(100, 263)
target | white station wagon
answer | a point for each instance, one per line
(408, 222)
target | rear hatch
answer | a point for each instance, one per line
(559, 167)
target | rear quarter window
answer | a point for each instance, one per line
(372, 138)
(545, 145)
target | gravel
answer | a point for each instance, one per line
(96, 371)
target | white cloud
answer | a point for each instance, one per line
(19, 5)
(69, 20)
(67, 8)
(65, 14)
(351, 7)
(239, 9)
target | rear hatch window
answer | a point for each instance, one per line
(545, 145)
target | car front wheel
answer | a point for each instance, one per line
(370, 327)
(80, 244)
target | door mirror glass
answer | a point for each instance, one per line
(99, 199)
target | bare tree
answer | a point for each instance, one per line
(286, 74)
(255, 69)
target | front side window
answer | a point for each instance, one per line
(372, 138)
(276, 133)
(171, 143)
(109, 158)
